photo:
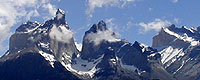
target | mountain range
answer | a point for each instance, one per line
(48, 52)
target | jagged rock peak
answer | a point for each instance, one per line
(172, 26)
(60, 11)
(60, 17)
(101, 26)
(143, 47)
(136, 43)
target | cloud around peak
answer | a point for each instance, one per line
(99, 36)
(61, 34)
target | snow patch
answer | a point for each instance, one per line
(170, 54)
(110, 48)
(66, 57)
(18, 51)
(114, 61)
(7, 53)
(130, 67)
(48, 57)
(30, 30)
(45, 45)
(83, 67)
(27, 30)
(195, 43)
(188, 29)
(144, 47)
(78, 46)
(152, 55)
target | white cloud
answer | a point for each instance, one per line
(176, 20)
(61, 33)
(51, 8)
(130, 24)
(92, 4)
(78, 46)
(101, 35)
(13, 11)
(109, 22)
(156, 25)
(112, 26)
(33, 13)
(174, 1)
(125, 2)
(150, 9)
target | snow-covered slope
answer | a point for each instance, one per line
(170, 54)
(176, 45)
(83, 67)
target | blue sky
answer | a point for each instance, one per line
(134, 20)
